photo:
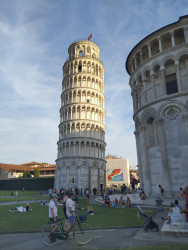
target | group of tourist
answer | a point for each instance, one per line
(116, 203)
(77, 192)
(123, 189)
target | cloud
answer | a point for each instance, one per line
(34, 40)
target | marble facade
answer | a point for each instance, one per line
(81, 147)
(158, 69)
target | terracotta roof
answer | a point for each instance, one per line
(112, 157)
(27, 167)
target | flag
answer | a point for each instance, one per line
(89, 38)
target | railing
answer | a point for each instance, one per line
(84, 56)
(84, 39)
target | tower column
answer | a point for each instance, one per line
(160, 44)
(146, 175)
(67, 175)
(153, 84)
(166, 177)
(136, 133)
(163, 80)
(178, 76)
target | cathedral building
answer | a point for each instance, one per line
(158, 69)
(81, 146)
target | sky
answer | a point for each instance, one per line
(34, 40)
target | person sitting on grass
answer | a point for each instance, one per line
(107, 201)
(90, 210)
(128, 202)
(121, 200)
(174, 214)
(116, 202)
(113, 205)
(21, 209)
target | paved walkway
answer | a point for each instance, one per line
(102, 239)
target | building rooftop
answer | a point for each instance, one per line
(27, 166)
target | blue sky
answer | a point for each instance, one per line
(34, 40)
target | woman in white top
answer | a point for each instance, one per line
(174, 214)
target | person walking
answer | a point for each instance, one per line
(161, 191)
(184, 193)
(64, 209)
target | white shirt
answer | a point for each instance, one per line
(175, 215)
(69, 203)
(21, 209)
(52, 205)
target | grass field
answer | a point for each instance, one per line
(161, 247)
(5, 196)
(34, 220)
(20, 193)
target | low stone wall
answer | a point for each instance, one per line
(27, 184)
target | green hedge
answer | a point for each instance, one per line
(27, 184)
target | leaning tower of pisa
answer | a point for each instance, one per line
(81, 146)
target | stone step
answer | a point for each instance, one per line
(176, 229)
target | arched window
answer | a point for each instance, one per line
(80, 53)
(171, 84)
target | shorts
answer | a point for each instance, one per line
(71, 219)
(52, 219)
(91, 212)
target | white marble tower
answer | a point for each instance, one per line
(81, 147)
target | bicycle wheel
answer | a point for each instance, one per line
(82, 233)
(49, 234)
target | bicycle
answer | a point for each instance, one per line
(52, 232)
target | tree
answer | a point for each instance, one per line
(29, 175)
(36, 173)
(24, 174)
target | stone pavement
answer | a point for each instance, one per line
(102, 239)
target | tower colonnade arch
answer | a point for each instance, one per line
(149, 82)
(83, 80)
(77, 129)
(85, 112)
(82, 96)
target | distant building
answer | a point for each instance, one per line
(158, 69)
(9, 171)
(117, 171)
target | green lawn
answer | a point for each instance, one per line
(34, 220)
(17, 199)
(5, 196)
(162, 247)
(20, 193)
